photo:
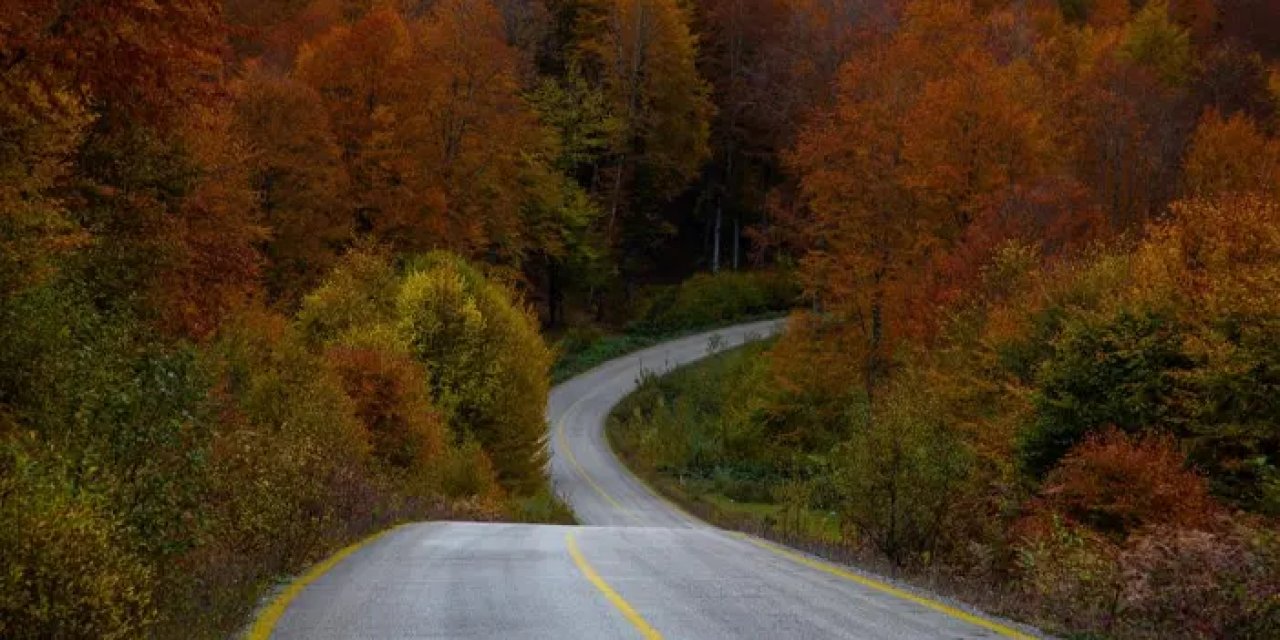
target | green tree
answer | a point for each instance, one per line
(1116, 370)
(898, 475)
(488, 365)
(643, 55)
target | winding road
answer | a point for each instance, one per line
(637, 567)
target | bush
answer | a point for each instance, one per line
(543, 506)
(701, 421)
(392, 401)
(579, 351)
(1223, 582)
(1220, 581)
(706, 300)
(68, 571)
(1068, 574)
(900, 473)
(1116, 484)
(466, 471)
(487, 362)
(289, 452)
(1119, 370)
(126, 411)
(358, 294)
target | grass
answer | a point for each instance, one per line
(699, 399)
(582, 350)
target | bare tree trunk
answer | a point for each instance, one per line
(737, 242)
(715, 242)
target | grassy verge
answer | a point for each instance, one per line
(581, 350)
(694, 436)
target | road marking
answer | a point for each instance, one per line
(882, 587)
(266, 622)
(564, 444)
(690, 519)
(573, 460)
(646, 631)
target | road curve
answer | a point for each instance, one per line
(636, 567)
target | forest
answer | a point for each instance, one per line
(1038, 366)
(275, 274)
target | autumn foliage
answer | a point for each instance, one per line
(1117, 484)
(272, 275)
(1038, 241)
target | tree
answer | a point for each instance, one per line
(927, 131)
(128, 56)
(771, 64)
(360, 72)
(212, 266)
(156, 185)
(1117, 484)
(570, 242)
(392, 401)
(643, 54)
(299, 180)
(1121, 372)
(488, 365)
(1230, 155)
(898, 475)
(37, 231)
(473, 136)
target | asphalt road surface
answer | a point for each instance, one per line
(636, 568)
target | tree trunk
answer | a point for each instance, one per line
(715, 242)
(555, 298)
(737, 241)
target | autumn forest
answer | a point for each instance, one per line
(275, 274)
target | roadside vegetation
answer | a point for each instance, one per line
(664, 312)
(276, 273)
(691, 434)
(1088, 446)
(160, 489)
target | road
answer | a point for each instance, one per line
(636, 567)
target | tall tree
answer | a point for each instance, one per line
(929, 131)
(298, 176)
(360, 72)
(157, 184)
(643, 54)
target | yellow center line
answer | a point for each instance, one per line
(573, 460)
(670, 504)
(882, 587)
(646, 631)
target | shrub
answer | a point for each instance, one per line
(487, 362)
(543, 506)
(706, 300)
(359, 293)
(1117, 484)
(1069, 574)
(900, 472)
(1223, 582)
(289, 451)
(466, 471)
(124, 409)
(1105, 370)
(702, 421)
(578, 353)
(392, 401)
(68, 571)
